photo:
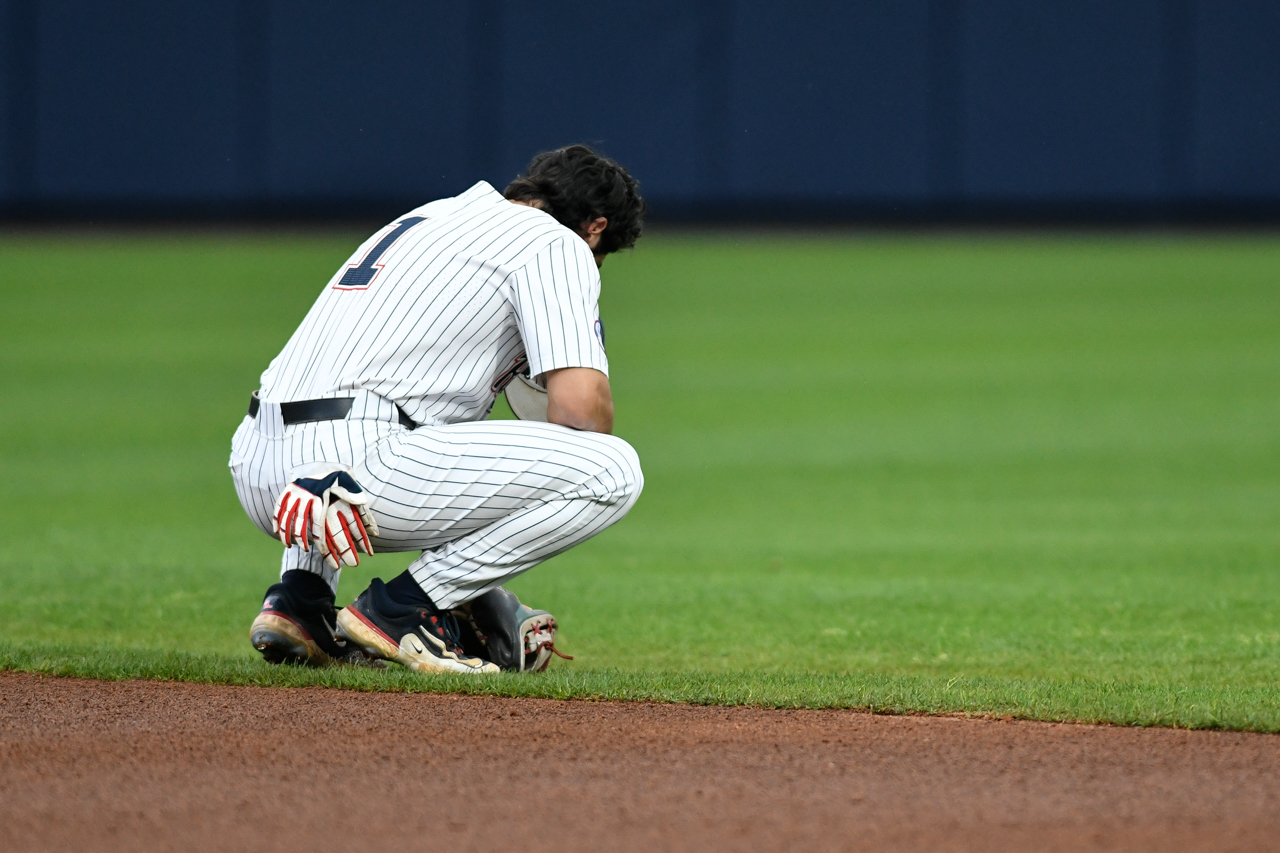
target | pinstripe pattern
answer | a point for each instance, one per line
(483, 501)
(450, 304)
(458, 297)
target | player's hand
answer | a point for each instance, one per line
(347, 524)
(328, 511)
(298, 516)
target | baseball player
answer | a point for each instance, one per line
(368, 431)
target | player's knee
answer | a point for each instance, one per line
(625, 477)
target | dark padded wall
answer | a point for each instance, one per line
(723, 108)
(365, 98)
(1236, 97)
(1062, 100)
(134, 100)
(829, 105)
(570, 72)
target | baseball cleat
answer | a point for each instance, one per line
(288, 631)
(422, 639)
(516, 637)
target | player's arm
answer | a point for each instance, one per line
(579, 397)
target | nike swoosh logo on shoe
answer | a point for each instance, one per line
(440, 649)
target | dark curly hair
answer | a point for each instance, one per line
(576, 185)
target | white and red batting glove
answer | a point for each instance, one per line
(324, 507)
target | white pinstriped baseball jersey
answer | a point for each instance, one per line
(431, 310)
(427, 314)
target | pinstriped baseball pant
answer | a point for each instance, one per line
(482, 501)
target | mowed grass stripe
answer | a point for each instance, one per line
(1241, 709)
(1047, 468)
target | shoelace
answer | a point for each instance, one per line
(547, 644)
(452, 633)
(448, 627)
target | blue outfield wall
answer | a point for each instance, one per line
(739, 109)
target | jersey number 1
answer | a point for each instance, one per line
(361, 275)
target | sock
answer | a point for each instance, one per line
(307, 587)
(403, 589)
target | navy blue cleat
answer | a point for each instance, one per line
(418, 636)
(294, 627)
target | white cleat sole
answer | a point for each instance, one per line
(411, 652)
(281, 640)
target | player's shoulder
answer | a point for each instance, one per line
(518, 235)
(532, 234)
(482, 206)
(479, 195)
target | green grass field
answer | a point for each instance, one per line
(1017, 475)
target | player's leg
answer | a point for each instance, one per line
(298, 618)
(264, 452)
(485, 502)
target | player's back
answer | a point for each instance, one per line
(422, 313)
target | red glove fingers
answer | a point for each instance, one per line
(330, 520)
(364, 534)
(281, 509)
(306, 527)
(347, 540)
(288, 524)
(335, 553)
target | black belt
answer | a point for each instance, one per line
(328, 409)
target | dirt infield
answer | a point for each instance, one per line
(162, 766)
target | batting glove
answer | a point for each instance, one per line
(327, 510)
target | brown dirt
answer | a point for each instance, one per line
(158, 766)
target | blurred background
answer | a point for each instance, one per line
(727, 110)
(973, 378)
